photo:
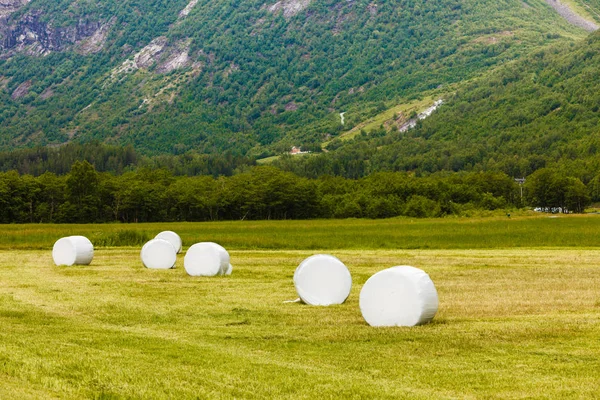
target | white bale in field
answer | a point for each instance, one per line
(73, 250)
(229, 270)
(172, 238)
(206, 259)
(224, 257)
(399, 296)
(322, 280)
(158, 254)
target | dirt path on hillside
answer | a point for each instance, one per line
(572, 17)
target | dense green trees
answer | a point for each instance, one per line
(146, 195)
(117, 160)
(82, 193)
(549, 189)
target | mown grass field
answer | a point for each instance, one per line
(518, 318)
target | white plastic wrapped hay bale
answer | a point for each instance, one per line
(172, 238)
(399, 296)
(225, 258)
(229, 270)
(73, 250)
(206, 259)
(158, 254)
(322, 280)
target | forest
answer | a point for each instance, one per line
(265, 192)
(117, 160)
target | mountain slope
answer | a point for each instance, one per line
(538, 112)
(251, 77)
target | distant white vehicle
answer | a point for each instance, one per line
(553, 210)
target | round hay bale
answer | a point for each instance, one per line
(398, 296)
(73, 250)
(229, 270)
(224, 257)
(322, 280)
(158, 254)
(172, 238)
(206, 259)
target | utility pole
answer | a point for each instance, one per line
(520, 181)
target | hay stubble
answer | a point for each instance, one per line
(511, 323)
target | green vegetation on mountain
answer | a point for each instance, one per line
(539, 112)
(246, 77)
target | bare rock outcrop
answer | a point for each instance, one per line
(159, 55)
(179, 58)
(31, 35)
(186, 11)
(572, 17)
(95, 43)
(146, 57)
(289, 7)
(21, 90)
(8, 7)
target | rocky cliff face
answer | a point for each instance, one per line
(7, 7)
(32, 36)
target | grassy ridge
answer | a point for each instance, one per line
(416, 106)
(512, 324)
(395, 233)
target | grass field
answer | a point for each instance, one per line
(514, 321)
(525, 230)
(269, 160)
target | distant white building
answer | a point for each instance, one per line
(298, 150)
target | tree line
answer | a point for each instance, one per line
(85, 195)
(117, 160)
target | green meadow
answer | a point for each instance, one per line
(499, 231)
(519, 313)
